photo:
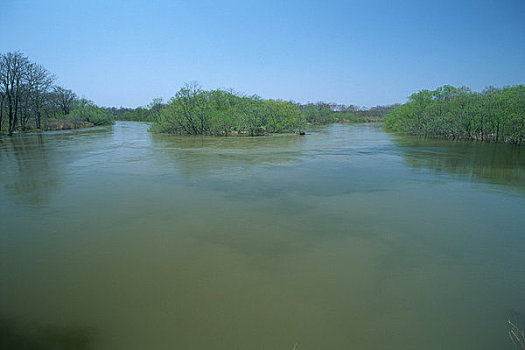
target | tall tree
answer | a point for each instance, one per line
(13, 68)
(1, 108)
(40, 81)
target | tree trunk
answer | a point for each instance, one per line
(15, 117)
(10, 127)
(38, 117)
(1, 112)
(24, 116)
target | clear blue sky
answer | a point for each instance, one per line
(367, 52)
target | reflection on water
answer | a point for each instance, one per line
(208, 155)
(34, 177)
(17, 336)
(169, 242)
(32, 172)
(495, 163)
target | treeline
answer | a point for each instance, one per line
(150, 113)
(194, 111)
(326, 113)
(494, 115)
(240, 106)
(29, 99)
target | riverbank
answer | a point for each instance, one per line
(55, 125)
(84, 116)
(62, 124)
(357, 120)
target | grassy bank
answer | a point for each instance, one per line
(84, 115)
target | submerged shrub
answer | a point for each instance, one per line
(496, 115)
(194, 111)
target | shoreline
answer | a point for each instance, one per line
(55, 125)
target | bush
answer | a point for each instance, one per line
(496, 115)
(91, 113)
(194, 111)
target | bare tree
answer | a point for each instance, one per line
(64, 99)
(1, 107)
(40, 81)
(13, 66)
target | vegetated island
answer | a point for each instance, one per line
(195, 111)
(493, 115)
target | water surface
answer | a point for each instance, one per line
(346, 238)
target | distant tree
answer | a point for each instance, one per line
(87, 111)
(64, 99)
(155, 108)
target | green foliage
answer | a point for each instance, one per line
(89, 112)
(194, 111)
(150, 113)
(280, 116)
(325, 113)
(318, 114)
(496, 115)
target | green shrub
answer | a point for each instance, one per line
(91, 113)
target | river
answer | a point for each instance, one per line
(346, 238)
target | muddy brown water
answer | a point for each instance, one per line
(346, 238)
